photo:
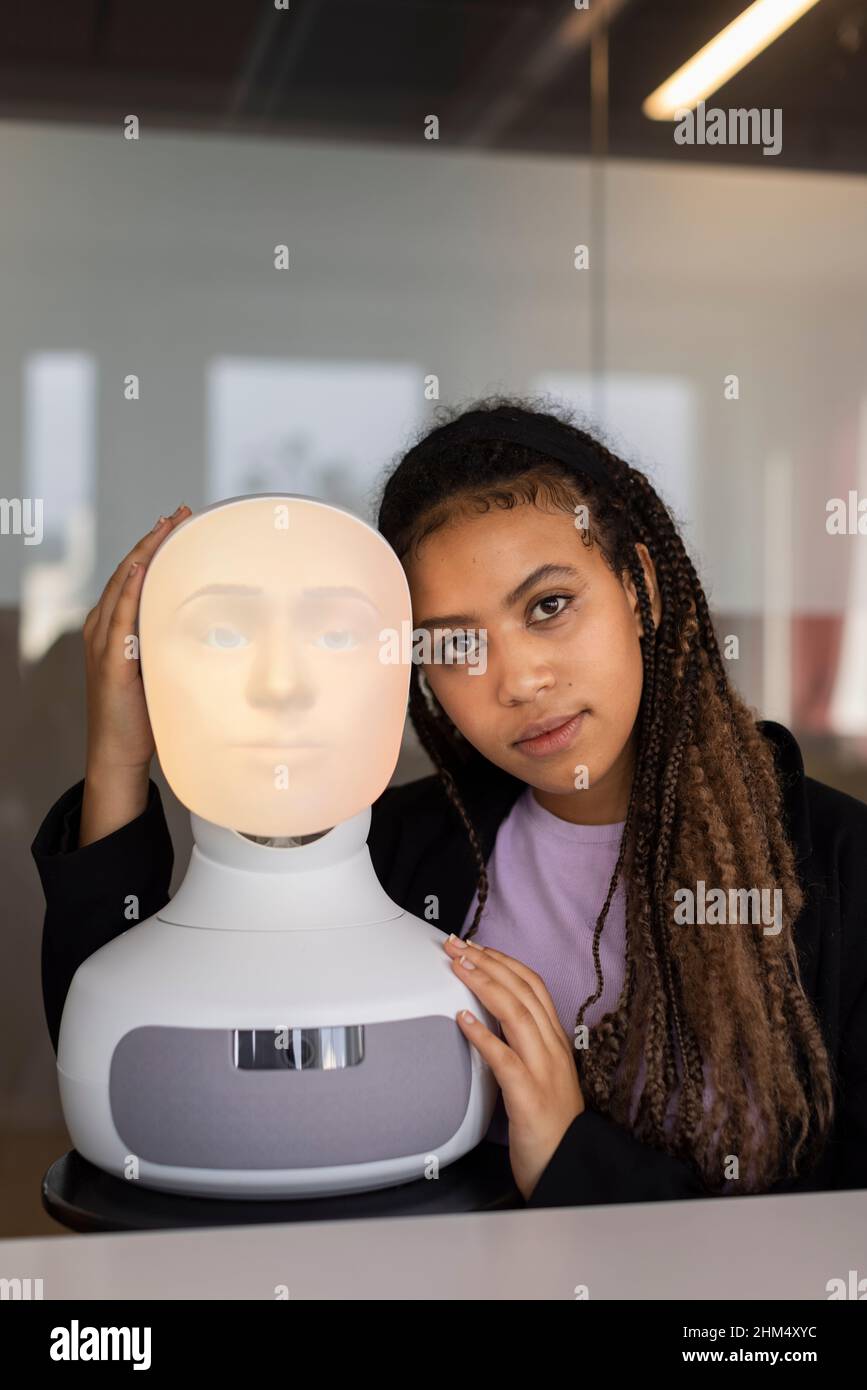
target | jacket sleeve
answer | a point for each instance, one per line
(86, 890)
(598, 1160)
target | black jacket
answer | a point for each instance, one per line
(419, 847)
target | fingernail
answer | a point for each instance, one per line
(179, 509)
(157, 524)
(467, 1016)
(467, 963)
(456, 941)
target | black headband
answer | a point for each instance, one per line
(533, 431)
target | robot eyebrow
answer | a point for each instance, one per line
(341, 591)
(249, 591)
(245, 590)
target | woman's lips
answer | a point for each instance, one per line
(554, 740)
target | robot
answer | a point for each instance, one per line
(281, 1028)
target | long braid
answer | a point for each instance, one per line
(432, 740)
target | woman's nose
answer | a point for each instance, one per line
(521, 673)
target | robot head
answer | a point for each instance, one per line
(276, 703)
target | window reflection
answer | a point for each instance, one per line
(59, 467)
(322, 429)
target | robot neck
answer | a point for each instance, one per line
(234, 883)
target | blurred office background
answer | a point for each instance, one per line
(411, 258)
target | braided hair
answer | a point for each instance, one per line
(727, 1010)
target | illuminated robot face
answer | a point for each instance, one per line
(275, 705)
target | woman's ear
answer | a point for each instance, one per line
(649, 571)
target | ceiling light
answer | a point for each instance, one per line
(731, 50)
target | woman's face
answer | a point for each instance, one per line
(558, 645)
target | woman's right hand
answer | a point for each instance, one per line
(119, 734)
(120, 741)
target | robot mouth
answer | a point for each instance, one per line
(281, 746)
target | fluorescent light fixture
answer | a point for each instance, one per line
(731, 50)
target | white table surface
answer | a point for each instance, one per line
(729, 1247)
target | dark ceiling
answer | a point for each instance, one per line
(499, 74)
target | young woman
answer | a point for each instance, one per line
(596, 778)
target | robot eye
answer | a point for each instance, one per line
(226, 638)
(337, 640)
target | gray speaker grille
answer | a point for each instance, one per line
(178, 1099)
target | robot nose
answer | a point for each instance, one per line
(279, 676)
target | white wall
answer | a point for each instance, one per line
(156, 258)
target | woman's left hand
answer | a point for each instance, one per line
(535, 1066)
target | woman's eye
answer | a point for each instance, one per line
(226, 638)
(552, 598)
(337, 640)
(460, 646)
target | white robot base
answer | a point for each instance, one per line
(280, 1028)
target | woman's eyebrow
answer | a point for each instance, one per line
(549, 571)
